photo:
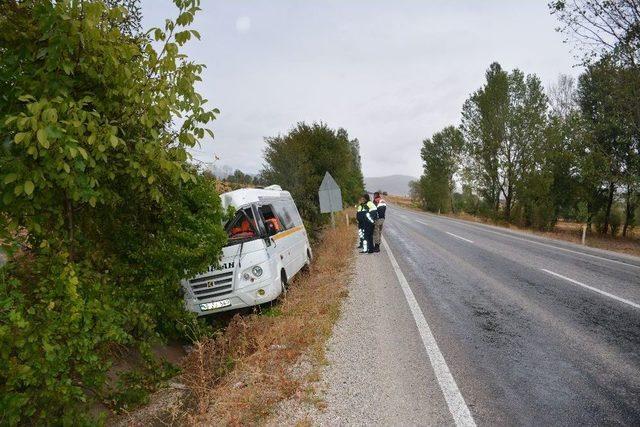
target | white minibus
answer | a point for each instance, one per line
(267, 245)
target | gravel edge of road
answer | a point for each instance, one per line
(377, 370)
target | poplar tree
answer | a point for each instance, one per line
(441, 159)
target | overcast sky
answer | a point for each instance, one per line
(390, 72)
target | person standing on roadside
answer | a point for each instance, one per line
(370, 214)
(361, 217)
(381, 208)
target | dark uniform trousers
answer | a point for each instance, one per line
(371, 214)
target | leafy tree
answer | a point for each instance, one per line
(607, 33)
(484, 126)
(298, 161)
(611, 146)
(503, 124)
(240, 177)
(101, 214)
(466, 201)
(440, 157)
(564, 137)
(528, 175)
(601, 28)
(415, 192)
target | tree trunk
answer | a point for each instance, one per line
(508, 198)
(628, 217)
(607, 215)
(507, 204)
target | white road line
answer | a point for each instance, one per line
(541, 243)
(422, 222)
(458, 237)
(455, 401)
(591, 288)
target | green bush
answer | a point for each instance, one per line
(615, 220)
(299, 160)
(101, 214)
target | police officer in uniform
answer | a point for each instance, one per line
(361, 217)
(370, 214)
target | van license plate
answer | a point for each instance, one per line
(215, 304)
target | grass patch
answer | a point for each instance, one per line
(273, 311)
(239, 374)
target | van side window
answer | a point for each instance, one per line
(291, 207)
(284, 212)
(272, 222)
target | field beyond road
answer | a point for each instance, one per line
(563, 230)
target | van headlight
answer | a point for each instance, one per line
(257, 271)
(252, 274)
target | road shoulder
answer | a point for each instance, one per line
(377, 370)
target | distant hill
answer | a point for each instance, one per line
(392, 184)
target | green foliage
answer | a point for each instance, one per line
(101, 214)
(440, 157)
(531, 159)
(241, 178)
(611, 143)
(133, 387)
(503, 124)
(484, 127)
(466, 201)
(613, 222)
(606, 33)
(298, 161)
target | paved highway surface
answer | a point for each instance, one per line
(518, 329)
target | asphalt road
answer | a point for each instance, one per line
(533, 331)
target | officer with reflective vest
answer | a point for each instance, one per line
(361, 217)
(369, 212)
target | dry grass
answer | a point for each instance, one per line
(239, 375)
(403, 201)
(572, 232)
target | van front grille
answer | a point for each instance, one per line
(212, 286)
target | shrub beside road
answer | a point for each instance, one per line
(239, 374)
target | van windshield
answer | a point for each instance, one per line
(242, 227)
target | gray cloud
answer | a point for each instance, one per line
(391, 73)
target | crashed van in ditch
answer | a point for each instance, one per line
(267, 245)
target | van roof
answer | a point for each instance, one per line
(245, 196)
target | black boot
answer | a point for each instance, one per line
(376, 248)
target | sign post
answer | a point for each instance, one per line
(330, 197)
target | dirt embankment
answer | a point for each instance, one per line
(239, 375)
